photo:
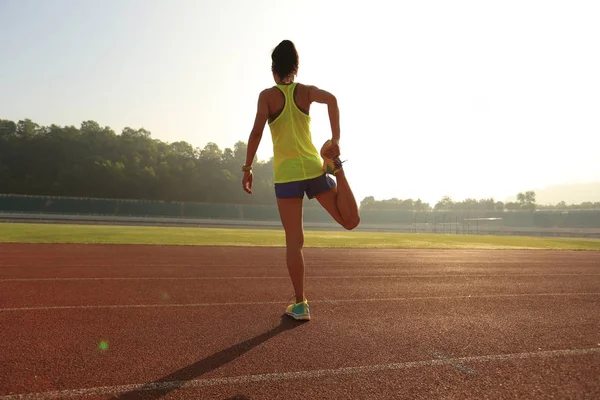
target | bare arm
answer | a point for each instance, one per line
(262, 115)
(324, 97)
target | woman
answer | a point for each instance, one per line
(298, 168)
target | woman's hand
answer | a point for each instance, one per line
(247, 181)
(333, 150)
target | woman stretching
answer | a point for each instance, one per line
(298, 168)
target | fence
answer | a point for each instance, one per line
(145, 208)
(464, 222)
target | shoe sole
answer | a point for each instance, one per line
(298, 317)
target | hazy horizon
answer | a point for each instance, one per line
(466, 99)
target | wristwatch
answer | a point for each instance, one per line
(246, 168)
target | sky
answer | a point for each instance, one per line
(461, 98)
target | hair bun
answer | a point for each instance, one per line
(285, 59)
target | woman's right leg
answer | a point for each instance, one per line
(340, 203)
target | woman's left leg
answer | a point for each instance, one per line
(290, 211)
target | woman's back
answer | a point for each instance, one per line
(295, 156)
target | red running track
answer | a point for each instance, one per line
(206, 323)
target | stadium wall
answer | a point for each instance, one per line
(430, 221)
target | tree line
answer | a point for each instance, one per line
(525, 201)
(444, 204)
(95, 161)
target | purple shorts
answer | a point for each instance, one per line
(311, 187)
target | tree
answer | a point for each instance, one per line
(90, 128)
(7, 128)
(27, 128)
(526, 200)
(367, 202)
(211, 153)
(239, 153)
(444, 204)
(93, 161)
(183, 150)
(135, 133)
(530, 197)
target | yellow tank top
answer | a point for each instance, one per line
(295, 158)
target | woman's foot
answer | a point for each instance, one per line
(299, 311)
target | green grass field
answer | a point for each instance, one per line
(63, 233)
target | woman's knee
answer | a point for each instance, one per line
(351, 223)
(295, 241)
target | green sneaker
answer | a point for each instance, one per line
(299, 311)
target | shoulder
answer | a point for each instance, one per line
(265, 92)
(304, 86)
(305, 89)
(268, 92)
(308, 89)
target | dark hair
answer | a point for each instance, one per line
(285, 59)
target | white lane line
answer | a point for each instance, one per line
(282, 376)
(207, 278)
(326, 300)
(459, 366)
(329, 301)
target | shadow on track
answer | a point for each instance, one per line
(178, 379)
